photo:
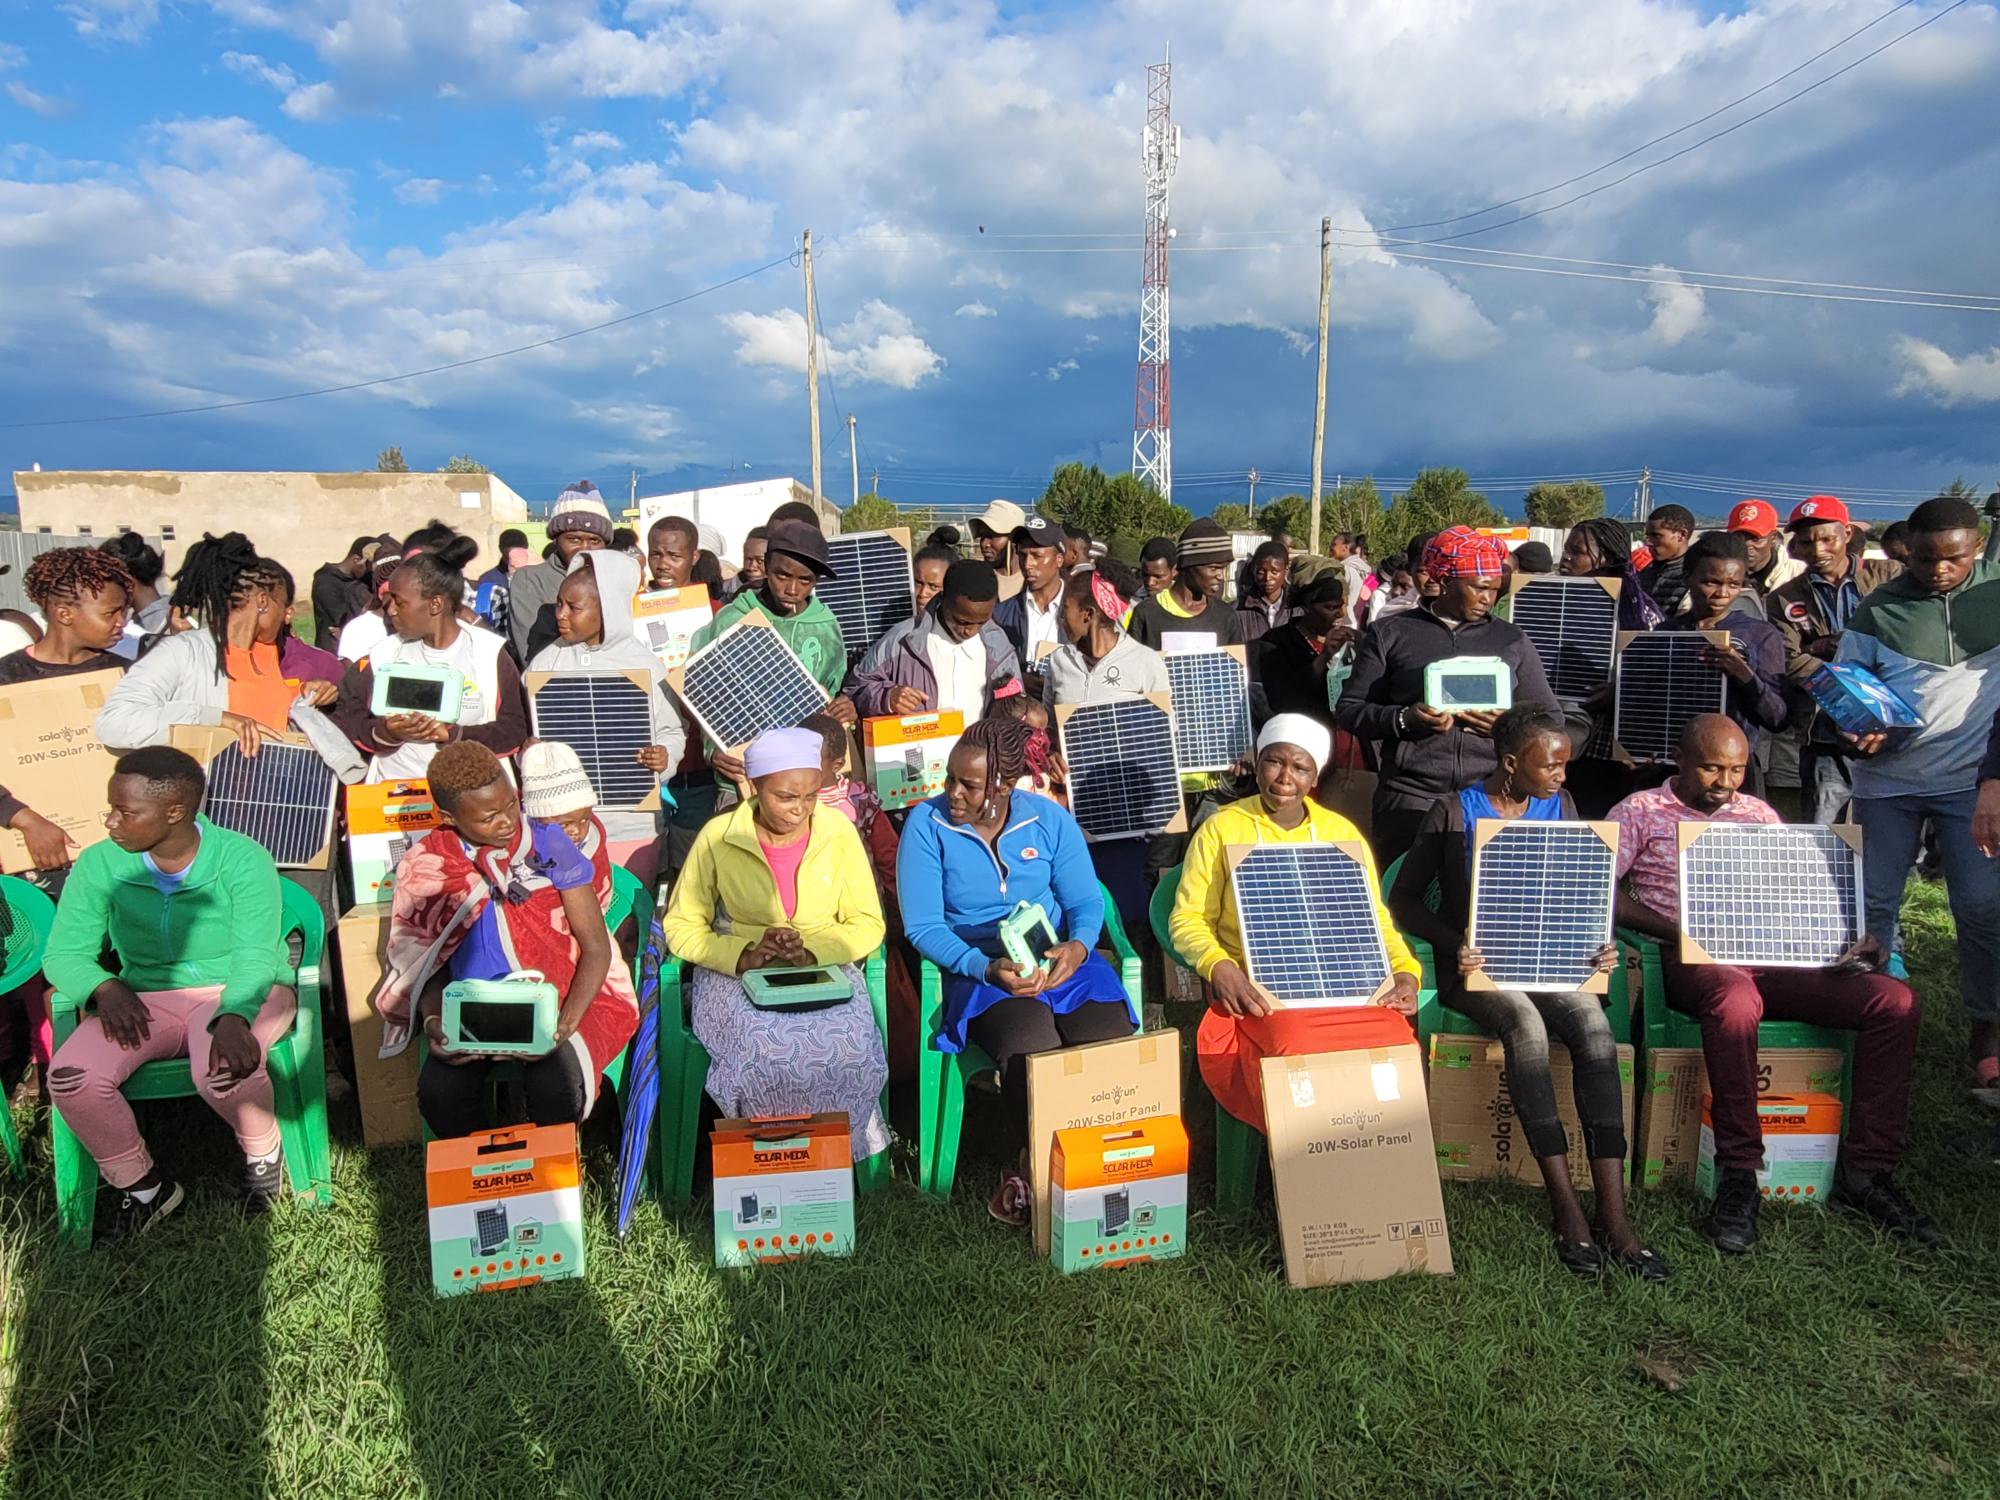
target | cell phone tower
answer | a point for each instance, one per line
(1152, 422)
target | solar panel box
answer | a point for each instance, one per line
(1118, 1194)
(784, 1188)
(1210, 691)
(1307, 914)
(1543, 894)
(745, 681)
(607, 719)
(51, 760)
(1124, 779)
(1662, 683)
(665, 619)
(384, 821)
(506, 1209)
(873, 586)
(906, 756)
(1769, 895)
(282, 797)
(1573, 625)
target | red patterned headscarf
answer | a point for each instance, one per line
(1463, 553)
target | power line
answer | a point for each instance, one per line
(360, 385)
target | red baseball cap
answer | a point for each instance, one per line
(1816, 508)
(1758, 517)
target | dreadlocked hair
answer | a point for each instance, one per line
(71, 574)
(1610, 541)
(219, 574)
(1004, 743)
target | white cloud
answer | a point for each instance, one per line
(312, 102)
(595, 140)
(113, 20)
(11, 57)
(1946, 379)
(39, 104)
(251, 66)
(1056, 371)
(975, 310)
(880, 344)
(1678, 309)
(415, 190)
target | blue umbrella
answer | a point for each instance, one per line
(642, 1080)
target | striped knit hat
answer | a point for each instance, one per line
(581, 508)
(553, 781)
(1202, 543)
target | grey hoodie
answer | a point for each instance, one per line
(621, 650)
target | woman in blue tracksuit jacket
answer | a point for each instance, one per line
(968, 858)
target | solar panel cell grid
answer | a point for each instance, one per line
(1122, 775)
(1211, 696)
(745, 681)
(1310, 934)
(1573, 625)
(1663, 683)
(1771, 895)
(607, 719)
(1541, 904)
(871, 589)
(282, 798)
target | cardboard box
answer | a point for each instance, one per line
(1106, 1083)
(1861, 703)
(1473, 1119)
(50, 758)
(1671, 1091)
(383, 821)
(784, 1188)
(1353, 1167)
(1120, 1194)
(1801, 1143)
(385, 1087)
(506, 1209)
(664, 619)
(904, 758)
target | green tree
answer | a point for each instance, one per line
(1288, 515)
(463, 464)
(872, 512)
(1233, 515)
(1436, 500)
(1354, 506)
(390, 461)
(1111, 506)
(1563, 505)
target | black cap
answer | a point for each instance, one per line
(797, 539)
(1039, 531)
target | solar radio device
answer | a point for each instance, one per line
(1311, 937)
(745, 681)
(872, 588)
(511, 1017)
(607, 719)
(1469, 685)
(1211, 698)
(664, 619)
(1769, 895)
(1026, 935)
(811, 987)
(414, 687)
(1662, 684)
(1542, 895)
(1573, 625)
(1123, 777)
(506, 1209)
(282, 797)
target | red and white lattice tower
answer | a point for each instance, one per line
(1152, 424)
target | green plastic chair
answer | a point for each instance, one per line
(683, 1068)
(942, 1076)
(297, 1066)
(30, 914)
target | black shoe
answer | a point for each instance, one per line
(1732, 1223)
(1876, 1195)
(1643, 1264)
(263, 1184)
(134, 1218)
(1579, 1257)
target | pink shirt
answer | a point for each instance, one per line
(784, 860)
(1649, 845)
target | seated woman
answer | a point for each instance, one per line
(782, 881)
(483, 896)
(194, 915)
(1528, 784)
(969, 857)
(1242, 1027)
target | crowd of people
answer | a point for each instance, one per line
(770, 856)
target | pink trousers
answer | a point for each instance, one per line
(88, 1070)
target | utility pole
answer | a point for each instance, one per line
(812, 360)
(853, 464)
(1319, 405)
(1642, 495)
(635, 489)
(1253, 497)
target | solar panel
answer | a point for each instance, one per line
(282, 797)
(1211, 697)
(871, 588)
(1541, 904)
(1122, 775)
(1775, 895)
(607, 719)
(745, 681)
(1307, 914)
(1663, 683)
(1573, 626)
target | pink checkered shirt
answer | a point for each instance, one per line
(1649, 848)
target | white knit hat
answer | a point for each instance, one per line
(553, 781)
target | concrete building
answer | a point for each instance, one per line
(734, 509)
(302, 520)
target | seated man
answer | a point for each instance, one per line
(1852, 995)
(194, 915)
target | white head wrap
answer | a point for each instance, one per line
(1309, 735)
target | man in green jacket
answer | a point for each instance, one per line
(194, 914)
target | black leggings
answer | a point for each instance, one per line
(1016, 1029)
(453, 1097)
(1524, 1024)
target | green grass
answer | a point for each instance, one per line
(308, 1357)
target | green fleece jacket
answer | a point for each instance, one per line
(1942, 653)
(813, 634)
(224, 924)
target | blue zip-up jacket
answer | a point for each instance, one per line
(955, 888)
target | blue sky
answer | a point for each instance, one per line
(202, 202)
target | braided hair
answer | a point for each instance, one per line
(218, 575)
(72, 574)
(1004, 743)
(1610, 541)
